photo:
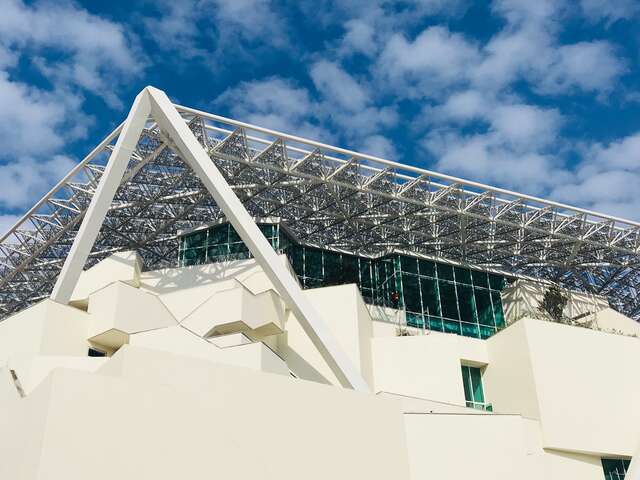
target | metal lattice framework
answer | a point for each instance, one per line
(328, 197)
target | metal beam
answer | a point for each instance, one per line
(109, 183)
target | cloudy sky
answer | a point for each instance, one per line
(542, 96)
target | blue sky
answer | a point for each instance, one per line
(542, 97)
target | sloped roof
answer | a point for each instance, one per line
(328, 197)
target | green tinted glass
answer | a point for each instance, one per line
(445, 272)
(448, 300)
(480, 279)
(409, 264)
(497, 308)
(411, 293)
(196, 239)
(467, 304)
(483, 306)
(463, 275)
(430, 296)
(427, 268)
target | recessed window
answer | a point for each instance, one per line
(473, 391)
(96, 353)
(615, 468)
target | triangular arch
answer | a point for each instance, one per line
(154, 103)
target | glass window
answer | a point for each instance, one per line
(409, 264)
(486, 332)
(463, 275)
(217, 251)
(411, 293)
(483, 306)
(233, 235)
(312, 263)
(332, 268)
(496, 282)
(435, 323)
(480, 279)
(452, 326)
(448, 300)
(615, 468)
(430, 296)
(295, 255)
(218, 235)
(496, 299)
(467, 304)
(365, 273)
(445, 272)
(427, 268)
(472, 383)
(194, 256)
(470, 329)
(415, 320)
(350, 269)
(196, 239)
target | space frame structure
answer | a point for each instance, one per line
(328, 197)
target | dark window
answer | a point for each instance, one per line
(615, 468)
(96, 353)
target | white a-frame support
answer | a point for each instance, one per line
(154, 102)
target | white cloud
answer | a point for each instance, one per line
(610, 10)
(527, 49)
(527, 11)
(338, 86)
(490, 158)
(252, 19)
(360, 37)
(25, 179)
(274, 103)
(607, 180)
(511, 146)
(588, 66)
(93, 53)
(36, 122)
(6, 222)
(77, 52)
(525, 127)
(379, 146)
(436, 59)
(210, 29)
(176, 28)
(336, 115)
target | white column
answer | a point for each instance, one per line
(102, 198)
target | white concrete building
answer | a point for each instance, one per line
(232, 340)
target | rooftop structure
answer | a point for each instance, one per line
(330, 198)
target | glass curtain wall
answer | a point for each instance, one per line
(614, 468)
(218, 243)
(451, 299)
(435, 296)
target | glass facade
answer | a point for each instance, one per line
(473, 391)
(614, 468)
(435, 296)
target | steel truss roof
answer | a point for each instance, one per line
(328, 197)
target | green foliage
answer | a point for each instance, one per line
(553, 303)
